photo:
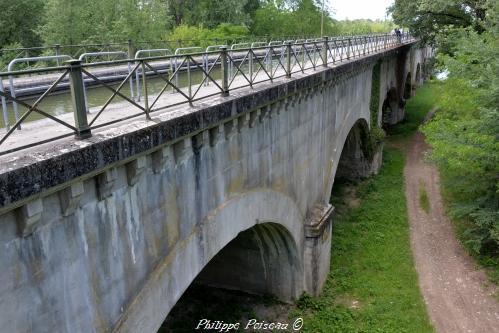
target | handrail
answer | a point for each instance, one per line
(137, 74)
(85, 55)
(139, 52)
(11, 82)
(249, 66)
(192, 48)
(206, 65)
(100, 54)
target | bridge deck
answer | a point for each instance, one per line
(43, 130)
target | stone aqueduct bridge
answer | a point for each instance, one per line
(106, 234)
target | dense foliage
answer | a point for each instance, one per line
(19, 22)
(465, 132)
(31, 23)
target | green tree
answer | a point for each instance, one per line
(19, 22)
(211, 13)
(178, 10)
(465, 132)
(140, 20)
(291, 18)
(95, 21)
(427, 18)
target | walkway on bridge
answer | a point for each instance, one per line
(253, 71)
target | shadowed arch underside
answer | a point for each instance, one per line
(408, 86)
(263, 228)
(418, 76)
(356, 159)
(392, 109)
(260, 260)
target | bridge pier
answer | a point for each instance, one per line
(317, 256)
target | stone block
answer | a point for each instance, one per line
(134, 169)
(70, 198)
(105, 183)
(162, 158)
(29, 216)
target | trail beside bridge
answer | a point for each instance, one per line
(455, 291)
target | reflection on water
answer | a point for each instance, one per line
(60, 102)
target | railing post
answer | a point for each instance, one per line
(189, 79)
(57, 49)
(144, 87)
(250, 66)
(225, 71)
(288, 60)
(78, 100)
(131, 55)
(131, 49)
(324, 50)
(269, 61)
(349, 48)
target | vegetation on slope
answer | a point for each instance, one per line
(373, 285)
(464, 134)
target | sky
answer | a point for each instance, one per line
(357, 9)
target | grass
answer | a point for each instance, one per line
(372, 286)
(416, 110)
(424, 202)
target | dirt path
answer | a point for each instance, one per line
(454, 290)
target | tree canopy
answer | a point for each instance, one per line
(465, 132)
(426, 18)
(31, 23)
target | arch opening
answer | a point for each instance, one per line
(408, 87)
(259, 262)
(357, 160)
(418, 75)
(391, 111)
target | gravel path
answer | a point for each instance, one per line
(455, 291)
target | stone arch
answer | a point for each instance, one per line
(354, 159)
(418, 74)
(391, 111)
(263, 214)
(353, 146)
(408, 86)
(261, 260)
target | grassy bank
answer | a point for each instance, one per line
(373, 285)
(427, 98)
(416, 110)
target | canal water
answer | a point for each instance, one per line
(60, 102)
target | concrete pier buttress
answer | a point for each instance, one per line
(105, 234)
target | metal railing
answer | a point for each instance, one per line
(225, 69)
(75, 50)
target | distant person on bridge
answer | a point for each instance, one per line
(399, 35)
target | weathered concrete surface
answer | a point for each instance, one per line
(106, 234)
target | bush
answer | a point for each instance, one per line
(198, 36)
